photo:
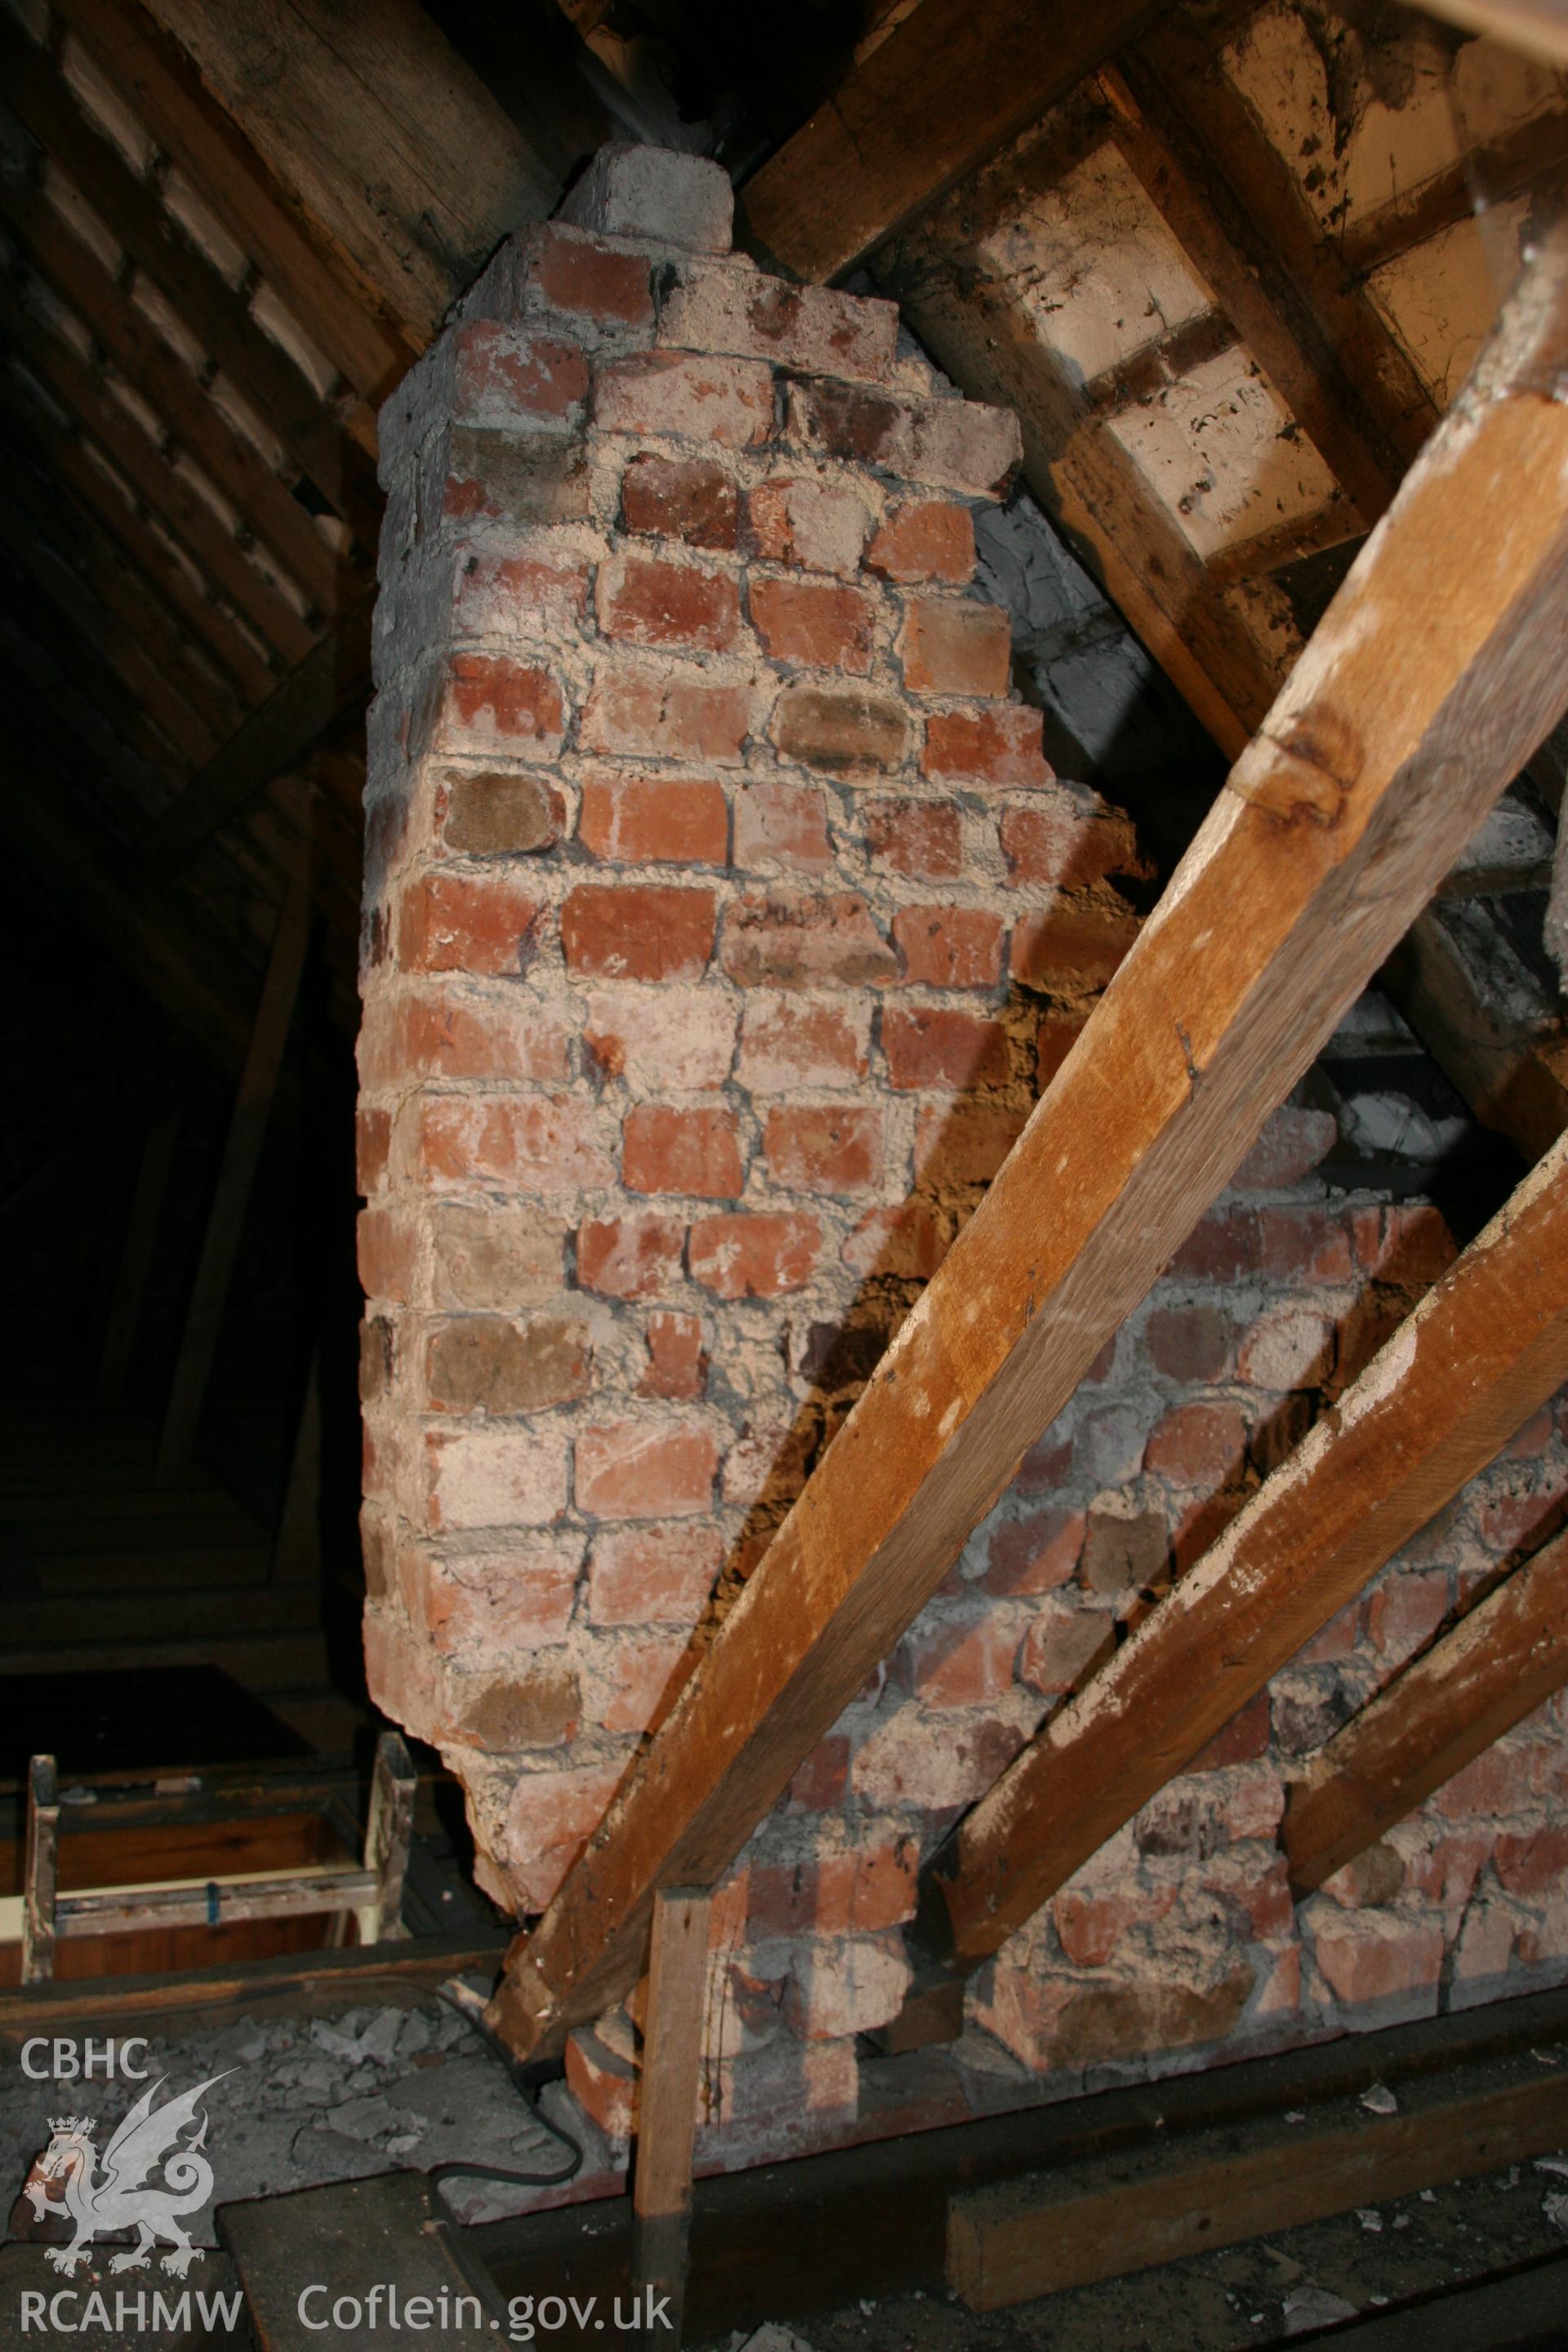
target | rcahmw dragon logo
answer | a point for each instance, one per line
(119, 2198)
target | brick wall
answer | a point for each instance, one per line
(722, 921)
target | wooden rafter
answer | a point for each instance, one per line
(1370, 1472)
(1504, 1657)
(1329, 834)
(930, 102)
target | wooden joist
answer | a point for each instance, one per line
(668, 2089)
(400, 161)
(1485, 1347)
(1436, 671)
(1503, 1658)
(932, 101)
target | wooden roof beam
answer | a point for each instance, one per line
(1506, 1656)
(1336, 824)
(1370, 1472)
(946, 87)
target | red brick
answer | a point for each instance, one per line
(1242, 1740)
(549, 1818)
(1536, 1865)
(1091, 1926)
(494, 814)
(647, 601)
(1289, 1147)
(1000, 746)
(487, 702)
(1189, 1343)
(819, 525)
(1337, 1639)
(964, 1142)
(1197, 1446)
(789, 1041)
(466, 923)
(787, 941)
(1222, 1247)
(726, 305)
(781, 824)
(1057, 1033)
(928, 539)
(845, 731)
(646, 1469)
(638, 715)
(1065, 848)
(956, 444)
(577, 275)
(831, 1150)
(495, 594)
(500, 376)
(963, 1665)
(652, 1576)
(822, 624)
(638, 932)
(677, 1364)
(920, 838)
(688, 498)
(1303, 1243)
(670, 1150)
(487, 1601)
(530, 1143)
(1074, 946)
(1408, 1244)
(388, 1255)
(702, 398)
(437, 1037)
(1497, 1782)
(1033, 1554)
(954, 646)
(1405, 1610)
(1063, 1645)
(372, 1142)
(950, 947)
(927, 1047)
(754, 1256)
(819, 1784)
(655, 821)
(1370, 1956)
(629, 1258)
(906, 1242)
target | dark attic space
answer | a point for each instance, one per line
(784, 1500)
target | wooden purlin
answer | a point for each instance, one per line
(1370, 1474)
(1497, 1665)
(1330, 834)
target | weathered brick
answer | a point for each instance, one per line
(488, 1602)
(923, 839)
(483, 372)
(681, 1041)
(1374, 1957)
(497, 595)
(1292, 1349)
(820, 624)
(1291, 1146)
(906, 1241)
(844, 730)
(637, 190)
(640, 714)
(1064, 848)
(655, 820)
(954, 646)
(468, 923)
(778, 823)
(787, 941)
(1033, 1555)
(486, 703)
(473, 474)
(646, 1469)
(1075, 945)
(725, 306)
(388, 1252)
(824, 1151)
(789, 1043)
(819, 525)
(549, 1816)
(1197, 1446)
(1190, 1343)
(963, 1665)
(1533, 1865)
(1062, 1647)
(1405, 1610)
(953, 443)
(690, 499)
(646, 600)
(666, 1150)
(461, 1035)
(638, 932)
(496, 815)
(938, 1047)
(494, 1478)
(699, 397)
(754, 1255)
(584, 279)
(964, 1142)
(484, 1255)
(487, 1363)
(1000, 745)
(925, 540)
(677, 1357)
(1124, 1546)
(629, 1258)
(950, 947)
(526, 1143)
(652, 1575)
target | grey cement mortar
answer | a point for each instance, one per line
(308, 2100)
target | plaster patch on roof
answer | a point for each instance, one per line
(1441, 297)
